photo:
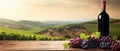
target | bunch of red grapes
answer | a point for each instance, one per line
(91, 42)
(105, 42)
(75, 43)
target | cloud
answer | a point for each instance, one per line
(95, 4)
(44, 3)
(59, 3)
(77, 6)
(111, 2)
(56, 9)
(51, 3)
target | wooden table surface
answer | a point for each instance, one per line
(37, 45)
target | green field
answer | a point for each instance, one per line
(14, 34)
(114, 29)
(30, 30)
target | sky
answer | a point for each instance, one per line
(65, 10)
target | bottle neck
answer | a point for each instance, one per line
(103, 5)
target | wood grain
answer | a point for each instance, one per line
(37, 45)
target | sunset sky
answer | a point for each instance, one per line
(41, 10)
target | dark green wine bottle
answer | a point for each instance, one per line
(103, 21)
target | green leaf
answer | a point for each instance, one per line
(96, 34)
(83, 36)
(114, 38)
(66, 45)
(86, 37)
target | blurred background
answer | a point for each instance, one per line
(54, 19)
(56, 9)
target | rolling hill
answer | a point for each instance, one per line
(114, 27)
(57, 28)
(72, 30)
(26, 24)
(12, 24)
(43, 24)
(16, 30)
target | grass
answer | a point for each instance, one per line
(14, 34)
(17, 34)
(114, 29)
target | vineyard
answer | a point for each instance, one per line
(10, 30)
(12, 34)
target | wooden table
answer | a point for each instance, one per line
(37, 45)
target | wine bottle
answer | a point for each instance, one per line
(103, 21)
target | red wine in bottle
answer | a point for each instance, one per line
(103, 21)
